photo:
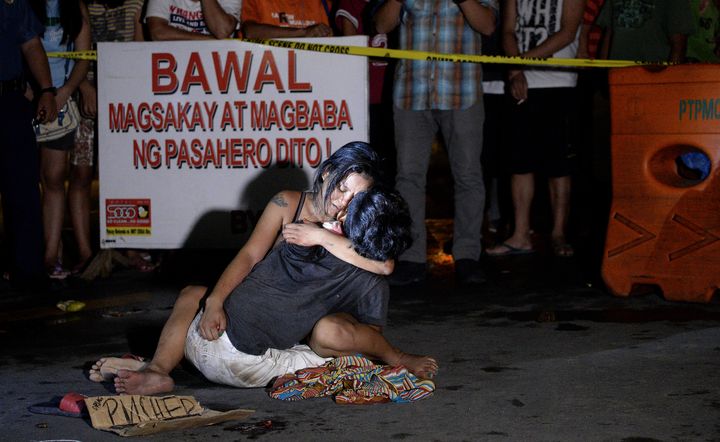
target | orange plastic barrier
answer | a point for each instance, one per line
(664, 226)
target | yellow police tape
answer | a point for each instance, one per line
(410, 55)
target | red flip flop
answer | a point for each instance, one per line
(70, 405)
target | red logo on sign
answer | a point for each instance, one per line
(127, 213)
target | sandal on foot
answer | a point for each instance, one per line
(143, 263)
(509, 250)
(563, 249)
(57, 272)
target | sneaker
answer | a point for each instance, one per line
(407, 272)
(469, 272)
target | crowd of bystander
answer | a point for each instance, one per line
(529, 120)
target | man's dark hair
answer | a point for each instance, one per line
(378, 224)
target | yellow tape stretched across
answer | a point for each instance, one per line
(77, 55)
(411, 55)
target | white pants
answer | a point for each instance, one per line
(221, 362)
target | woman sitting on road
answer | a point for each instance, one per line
(298, 291)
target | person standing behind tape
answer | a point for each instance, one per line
(110, 20)
(192, 19)
(432, 95)
(653, 31)
(19, 157)
(286, 18)
(353, 17)
(67, 29)
(541, 105)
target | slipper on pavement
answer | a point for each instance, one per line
(510, 251)
(70, 405)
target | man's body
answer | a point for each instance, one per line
(116, 21)
(353, 18)
(192, 19)
(432, 95)
(19, 159)
(703, 45)
(294, 293)
(541, 110)
(656, 31)
(285, 19)
(377, 228)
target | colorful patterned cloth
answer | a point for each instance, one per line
(353, 380)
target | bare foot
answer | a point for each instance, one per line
(423, 367)
(146, 381)
(105, 369)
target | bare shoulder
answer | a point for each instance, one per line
(278, 212)
(284, 204)
(285, 199)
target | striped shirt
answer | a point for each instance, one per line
(114, 24)
(438, 26)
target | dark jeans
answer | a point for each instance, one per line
(19, 187)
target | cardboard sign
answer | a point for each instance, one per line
(113, 411)
(136, 415)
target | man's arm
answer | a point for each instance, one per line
(220, 23)
(253, 29)
(583, 49)
(517, 84)
(37, 61)
(139, 35)
(160, 30)
(480, 17)
(387, 16)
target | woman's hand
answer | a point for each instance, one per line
(213, 321)
(63, 94)
(88, 100)
(305, 234)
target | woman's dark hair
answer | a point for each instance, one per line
(354, 157)
(70, 17)
(378, 224)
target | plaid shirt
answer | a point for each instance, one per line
(438, 26)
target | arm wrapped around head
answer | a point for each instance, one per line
(378, 224)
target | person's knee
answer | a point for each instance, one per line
(192, 294)
(81, 179)
(53, 182)
(334, 332)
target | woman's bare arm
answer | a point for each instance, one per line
(80, 69)
(278, 211)
(309, 234)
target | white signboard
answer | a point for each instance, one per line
(196, 137)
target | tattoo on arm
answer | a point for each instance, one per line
(280, 201)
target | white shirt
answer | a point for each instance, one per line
(187, 14)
